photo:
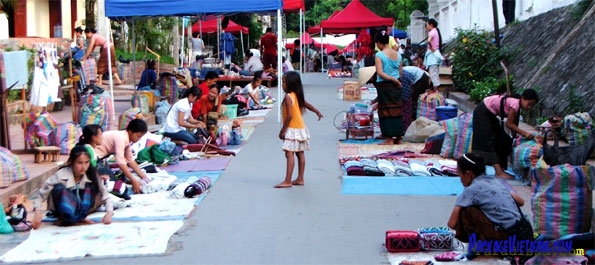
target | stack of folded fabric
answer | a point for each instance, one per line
(418, 168)
(354, 168)
(386, 166)
(198, 187)
(434, 168)
(402, 169)
(449, 167)
(371, 168)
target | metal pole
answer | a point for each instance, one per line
(242, 41)
(496, 27)
(133, 55)
(109, 65)
(279, 65)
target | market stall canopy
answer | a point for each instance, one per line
(354, 16)
(293, 6)
(123, 9)
(399, 34)
(210, 26)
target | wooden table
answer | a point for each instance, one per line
(240, 81)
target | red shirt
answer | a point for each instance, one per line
(269, 42)
(204, 88)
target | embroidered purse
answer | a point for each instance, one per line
(436, 238)
(402, 241)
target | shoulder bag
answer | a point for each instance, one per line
(575, 155)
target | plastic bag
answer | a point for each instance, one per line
(421, 129)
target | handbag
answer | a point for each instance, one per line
(402, 241)
(575, 155)
(436, 238)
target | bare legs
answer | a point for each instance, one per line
(117, 80)
(287, 183)
(500, 172)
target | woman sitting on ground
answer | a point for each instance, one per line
(179, 118)
(250, 91)
(210, 102)
(73, 192)
(148, 78)
(252, 65)
(486, 208)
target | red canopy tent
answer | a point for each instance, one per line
(210, 26)
(306, 40)
(293, 6)
(354, 16)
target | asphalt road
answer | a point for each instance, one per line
(244, 220)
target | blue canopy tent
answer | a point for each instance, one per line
(398, 34)
(126, 9)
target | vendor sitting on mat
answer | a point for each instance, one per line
(486, 209)
(211, 78)
(73, 192)
(250, 91)
(210, 103)
(179, 118)
(118, 143)
(251, 65)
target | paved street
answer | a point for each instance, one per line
(245, 220)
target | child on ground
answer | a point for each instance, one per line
(294, 133)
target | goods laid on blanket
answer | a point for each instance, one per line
(383, 165)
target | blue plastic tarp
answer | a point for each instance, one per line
(121, 9)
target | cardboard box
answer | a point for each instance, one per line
(352, 90)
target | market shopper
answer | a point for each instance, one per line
(388, 69)
(433, 57)
(268, 42)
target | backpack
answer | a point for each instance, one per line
(65, 136)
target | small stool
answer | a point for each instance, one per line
(50, 154)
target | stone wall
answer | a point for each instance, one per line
(553, 52)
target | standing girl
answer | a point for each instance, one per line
(294, 133)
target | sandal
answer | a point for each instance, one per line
(23, 226)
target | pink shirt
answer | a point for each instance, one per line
(435, 41)
(99, 40)
(493, 104)
(118, 143)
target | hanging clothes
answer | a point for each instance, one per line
(227, 47)
(46, 77)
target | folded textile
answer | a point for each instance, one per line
(402, 168)
(118, 202)
(355, 171)
(434, 168)
(158, 184)
(449, 171)
(403, 173)
(352, 163)
(418, 168)
(178, 191)
(373, 171)
(368, 162)
(386, 166)
(175, 183)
